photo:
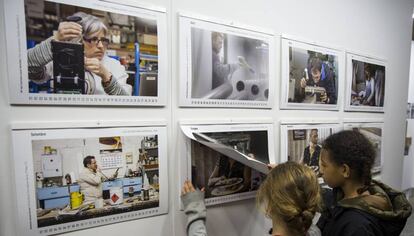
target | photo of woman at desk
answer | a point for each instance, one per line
(78, 179)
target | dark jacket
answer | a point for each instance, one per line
(382, 213)
(311, 160)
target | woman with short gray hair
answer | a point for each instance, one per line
(90, 24)
(103, 75)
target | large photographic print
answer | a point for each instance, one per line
(311, 76)
(85, 53)
(224, 65)
(366, 84)
(303, 143)
(373, 131)
(229, 165)
(71, 179)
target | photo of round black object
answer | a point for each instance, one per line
(240, 86)
(255, 89)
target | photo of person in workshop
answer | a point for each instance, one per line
(76, 50)
(312, 77)
(368, 84)
(220, 175)
(84, 178)
(227, 66)
(304, 145)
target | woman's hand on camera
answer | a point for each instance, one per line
(68, 31)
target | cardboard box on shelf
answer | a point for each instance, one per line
(147, 39)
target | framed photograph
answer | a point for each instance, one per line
(307, 148)
(73, 52)
(299, 134)
(365, 83)
(312, 75)
(228, 160)
(70, 178)
(373, 131)
(223, 64)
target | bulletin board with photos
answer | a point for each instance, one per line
(62, 185)
(223, 64)
(125, 63)
(72, 52)
(219, 157)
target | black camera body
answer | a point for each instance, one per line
(68, 68)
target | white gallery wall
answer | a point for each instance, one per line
(381, 28)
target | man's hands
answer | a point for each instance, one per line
(243, 63)
(303, 83)
(324, 98)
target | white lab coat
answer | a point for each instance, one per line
(90, 184)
